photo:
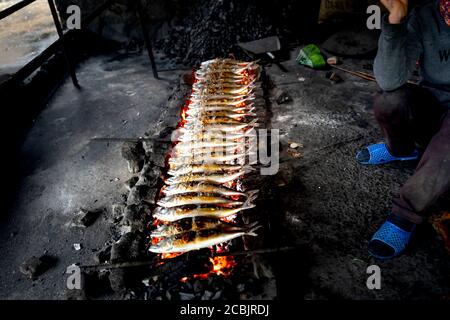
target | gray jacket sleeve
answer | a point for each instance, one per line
(399, 47)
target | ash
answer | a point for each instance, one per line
(211, 29)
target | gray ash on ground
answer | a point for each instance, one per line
(210, 29)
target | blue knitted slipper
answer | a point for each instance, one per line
(394, 237)
(379, 154)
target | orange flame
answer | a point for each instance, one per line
(221, 266)
(166, 256)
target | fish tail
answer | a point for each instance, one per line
(248, 168)
(251, 231)
(248, 204)
(248, 131)
(252, 194)
(251, 225)
(252, 197)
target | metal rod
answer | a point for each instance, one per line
(148, 43)
(64, 48)
(135, 264)
(15, 7)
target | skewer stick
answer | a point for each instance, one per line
(364, 75)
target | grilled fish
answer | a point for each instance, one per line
(200, 177)
(174, 214)
(207, 168)
(193, 224)
(182, 188)
(195, 240)
(210, 158)
(186, 200)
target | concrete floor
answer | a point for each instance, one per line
(330, 202)
(65, 169)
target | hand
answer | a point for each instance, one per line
(398, 10)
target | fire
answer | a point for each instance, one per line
(166, 256)
(221, 266)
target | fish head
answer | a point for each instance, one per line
(161, 212)
(163, 246)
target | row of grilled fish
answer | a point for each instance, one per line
(207, 164)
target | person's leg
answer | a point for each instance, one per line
(408, 116)
(430, 181)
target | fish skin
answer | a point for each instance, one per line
(187, 135)
(174, 214)
(200, 177)
(225, 127)
(206, 168)
(243, 111)
(192, 224)
(184, 200)
(205, 143)
(182, 188)
(208, 150)
(195, 240)
(209, 158)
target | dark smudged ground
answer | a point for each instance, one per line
(330, 205)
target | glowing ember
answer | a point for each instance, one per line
(166, 256)
(221, 266)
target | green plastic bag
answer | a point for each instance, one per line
(310, 56)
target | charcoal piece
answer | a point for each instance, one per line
(184, 296)
(104, 255)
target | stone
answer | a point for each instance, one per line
(36, 266)
(186, 296)
(333, 77)
(130, 183)
(207, 295)
(149, 175)
(104, 255)
(133, 218)
(217, 295)
(87, 218)
(134, 153)
(130, 247)
(142, 193)
(117, 211)
(148, 145)
(282, 96)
